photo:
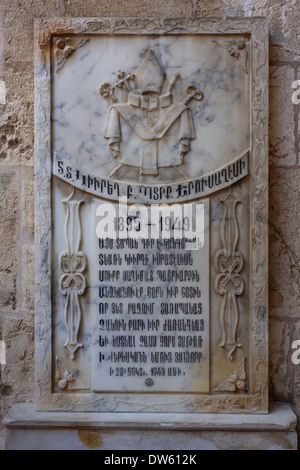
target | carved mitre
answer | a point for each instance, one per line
(150, 75)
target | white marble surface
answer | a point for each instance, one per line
(79, 113)
(215, 365)
(280, 418)
(79, 119)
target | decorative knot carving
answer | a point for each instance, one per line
(73, 282)
(229, 283)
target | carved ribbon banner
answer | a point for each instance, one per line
(73, 281)
(229, 283)
(105, 187)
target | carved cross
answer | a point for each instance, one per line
(124, 79)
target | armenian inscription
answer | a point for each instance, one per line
(153, 303)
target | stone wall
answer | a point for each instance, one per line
(17, 160)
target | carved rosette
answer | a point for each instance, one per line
(73, 281)
(229, 283)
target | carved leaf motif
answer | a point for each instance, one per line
(40, 59)
(68, 379)
(259, 254)
(261, 157)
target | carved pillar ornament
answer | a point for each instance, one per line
(73, 281)
(229, 283)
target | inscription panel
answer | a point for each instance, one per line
(151, 326)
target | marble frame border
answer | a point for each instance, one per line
(257, 400)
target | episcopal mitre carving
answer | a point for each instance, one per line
(162, 130)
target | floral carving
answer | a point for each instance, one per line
(68, 379)
(237, 381)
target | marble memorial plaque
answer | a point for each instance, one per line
(151, 215)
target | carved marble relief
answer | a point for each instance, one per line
(236, 382)
(68, 379)
(73, 281)
(237, 49)
(229, 283)
(184, 118)
(150, 113)
(65, 47)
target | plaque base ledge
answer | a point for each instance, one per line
(27, 429)
(24, 415)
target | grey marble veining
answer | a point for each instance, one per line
(80, 113)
